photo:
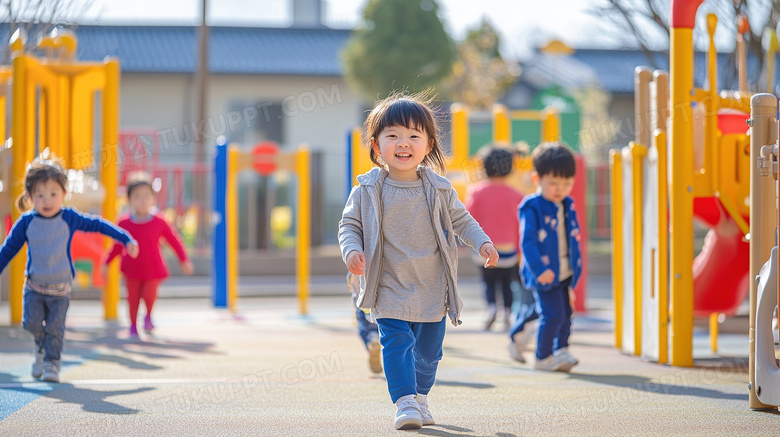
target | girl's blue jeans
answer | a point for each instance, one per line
(39, 308)
(410, 353)
(554, 319)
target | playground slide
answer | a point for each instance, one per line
(720, 271)
(89, 246)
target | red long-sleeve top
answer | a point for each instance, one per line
(494, 206)
(149, 264)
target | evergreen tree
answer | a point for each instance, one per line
(402, 44)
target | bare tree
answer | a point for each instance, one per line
(647, 22)
(36, 18)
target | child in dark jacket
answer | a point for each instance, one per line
(551, 261)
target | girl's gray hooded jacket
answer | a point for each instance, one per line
(360, 229)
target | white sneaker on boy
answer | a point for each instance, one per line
(521, 340)
(427, 417)
(564, 355)
(551, 364)
(408, 415)
(516, 350)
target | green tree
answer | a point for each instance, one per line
(402, 44)
(480, 75)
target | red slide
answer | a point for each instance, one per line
(720, 271)
(89, 246)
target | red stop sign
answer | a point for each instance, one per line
(264, 157)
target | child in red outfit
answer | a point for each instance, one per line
(144, 274)
(493, 204)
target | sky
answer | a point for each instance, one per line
(522, 24)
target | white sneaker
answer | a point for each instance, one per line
(551, 364)
(375, 356)
(527, 335)
(408, 415)
(37, 367)
(51, 371)
(516, 351)
(427, 417)
(564, 355)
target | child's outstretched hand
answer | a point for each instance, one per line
(546, 277)
(132, 249)
(356, 262)
(187, 268)
(489, 252)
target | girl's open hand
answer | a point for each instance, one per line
(132, 249)
(187, 267)
(356, 262)
(489, 252)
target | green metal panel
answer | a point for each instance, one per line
(568, 111)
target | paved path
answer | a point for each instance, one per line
(269, 371)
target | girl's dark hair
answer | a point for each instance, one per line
(138, 179)
(410, 111)
(498, 162)
(41, 171)
(554, 158)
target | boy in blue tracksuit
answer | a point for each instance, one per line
(552, 262)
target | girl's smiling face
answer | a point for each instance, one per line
(47, 198)
(403, 149)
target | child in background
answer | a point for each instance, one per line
(493, 204)
(397, 233)
(48, 229)
(144, 274)
(551, 262)
(367, 330)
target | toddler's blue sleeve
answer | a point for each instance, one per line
(15, 241)
(87, 223)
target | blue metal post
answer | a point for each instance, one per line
(220, 279)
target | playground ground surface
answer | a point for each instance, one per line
(267, 370)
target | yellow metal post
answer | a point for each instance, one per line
(714, 332)
(302, 168)
(502, 126)
(681, 196)
(661, 110)
(638, 154)
(709, 103)
(460, 136)
(5, 77)
(19, 132)
(551, 126)
(361, 160)
(616, 165)
(231, 206)
(108, 176)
